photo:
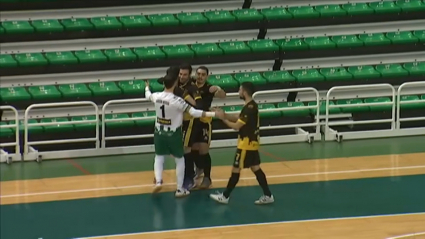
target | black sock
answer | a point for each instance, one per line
(206, 159)
(262, 180)
(189, 171)
(196, 159)
(233, 180)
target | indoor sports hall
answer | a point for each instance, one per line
(340, 87)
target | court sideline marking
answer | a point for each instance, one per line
(217, 180)
(407, 235)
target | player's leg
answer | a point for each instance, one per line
(254, 164)
(204, 155)
(161, 149)
(177, 150)
(189, 129)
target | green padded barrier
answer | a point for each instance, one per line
(13, 94)
(232, 109)
(263, 45)
(379, 100)
(308, 75)
(121, 54)
(224, 81)
(132, 87)
(78, 90)
(17, 27)
(192, 18)
(253, 77)
(295, 109)
(243, 15)
(61, 58)
(420, 35)
(90, 56)
(344, 41)
(357, 9)
(77, 24)
(385, 7)
(120, 123)
(85, 126)
(391, 70)
(234, 47)
(32, 129)
(402, 37)
(293, 44)
(319, 42)
(7, 61)
(50, 25)
(353, 108)
(270, 114)
(304, 12)
(163, 20)
(415, 68)
(407, 98)
(104, 88)
(220, 16)
(411, 5)
(106, 23)
(333, 10)
(373, 39)
(149, 53)
(206, 49)
(31, 59)
(178, 51)
(276, 13)
(364, 72)
(155, 86)
(57, 128)
(144, 122)
(278, 76)
(5, 132)
(323, 108)
(46, 92)
(336, 73)
(135, 21)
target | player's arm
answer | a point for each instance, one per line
(148, 93)
(189, 99)
(239, 122)
(197, 97)
(194, 112)
(217, 91)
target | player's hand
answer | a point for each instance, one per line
(146, 83)
(219, 113)
(214, 89)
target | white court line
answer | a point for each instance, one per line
(216, 180)
(407, 235)
(253, 224)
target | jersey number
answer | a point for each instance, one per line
(163, 110)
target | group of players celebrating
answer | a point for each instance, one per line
(183, 130)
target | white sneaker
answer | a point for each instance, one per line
(181, 193)
(157, 187)
(220, 198)
(265, 200)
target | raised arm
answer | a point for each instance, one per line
(148, 93)
(218, 92)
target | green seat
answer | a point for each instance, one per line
(2, 31)
(320, 42)
(13, 94)
(391, 70)
(415, 68)
(263, 45)
(155, 86)
(411, 5)
(17, 27)
(420, 35)
(270, 114)
(57, 128)
(224, 81)
(220, 16)
(293, 109)
(121, 54)
(364, 72)
(32, 129)
(61, 58)
(409, 105)
(402, 37)
(336, 73)
(308, 75)
(5, 132)
(385, 7)
(379, 100)
(322, 108)
(358, 9)
(206, 49)
(293, 44)
(345, 41)
(178, 51)
(7, 61)
(333, 10)
(77, 24)
(276, 13)
(423, 97)
(90, 56)
(104, 88)
(135, 21)
(278, 76)
(46, 92)
(144, 122)
(373, 39)
(244, 15)
(234, 47)
(121, 123)
(132, 87)
(253, 77)
(86, 125)
(50, 25)
(106, 23)
(353, 108)
(149, 53)
(192, 18)
(31, 59)
(78, 90)
(232, 108)
(163, 20)
(304, 12)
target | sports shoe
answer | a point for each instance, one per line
(206, 183)
(220, 198)
(188, 183)
(265, 200)
(198, 173)
(157, 187)
(182, 193)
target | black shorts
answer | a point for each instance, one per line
(246, 158)
(195, 131)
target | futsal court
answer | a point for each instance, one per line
(355, 189)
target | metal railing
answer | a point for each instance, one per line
(15, 125)
(399, 102)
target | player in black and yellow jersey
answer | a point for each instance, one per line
(247, 154)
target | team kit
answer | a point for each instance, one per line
(183, 130)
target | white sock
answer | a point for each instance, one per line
(180, 172)
(158, 167)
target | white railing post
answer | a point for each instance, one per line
(399, 103)
(15, 125)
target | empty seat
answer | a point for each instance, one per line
(383, 7)
(269, 114)
(75, 90)
(220, 16)
(225, 81)
(120, 123)
(178, 51)
(121, 54)
(144, 122)
(90, 56)
(47, 25)
(77, 24)
(14, 94)
(234, 47)
(57, 128)
(206, 49)
(149, 53)
(45, 92)
(391, 70)
(336, 73)
(304, 12)
(276, 13)
(163, 20)
(17, 27)
(81, 127)
(333, 10)
(253, 77)
(191, 18)
(135, 21)
(31, 59)
(411, 105)
(278, 76)
(61, 58)
(308, 75)
(248, 15)
(379, 100)
(415, 68)
(293, 109)
(364, 72)
(7, 61)
(358, 8)
(132, 87)
(353, 108)
(106, 23)
(104, 89)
